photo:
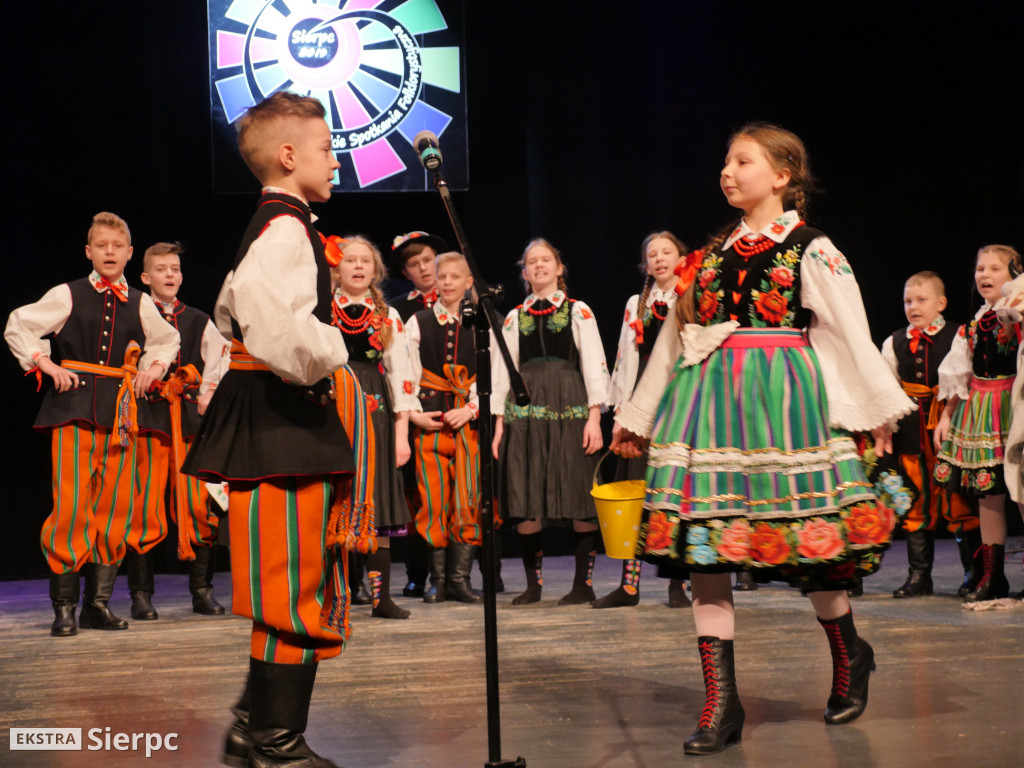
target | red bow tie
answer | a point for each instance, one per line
(916, 337)
(118, 289)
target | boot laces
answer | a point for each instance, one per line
(840, 659)
(713, 692)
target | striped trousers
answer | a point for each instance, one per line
(439, 520)
(93, 498)
(280, 567)
(152, 474)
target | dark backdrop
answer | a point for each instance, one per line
(589, 123)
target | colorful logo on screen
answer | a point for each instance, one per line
(368, 67)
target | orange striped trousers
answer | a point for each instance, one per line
(152, 475)
(93, 500)
(439, 519)
(280, 567)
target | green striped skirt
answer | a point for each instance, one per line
(971, 459)
(744, 472)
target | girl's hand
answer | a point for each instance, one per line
(402, 452)
(592, 437)
(883, 440)
(203, 401)
(63, 379)
(942, 430)
(626, 444)
(458, 417)
(428, 421)
(499, 427)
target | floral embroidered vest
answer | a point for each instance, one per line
(547, 336)
(992, 346)
(760, 292)
(362, 333)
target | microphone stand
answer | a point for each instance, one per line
(483, 318)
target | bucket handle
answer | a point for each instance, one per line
(597, 467)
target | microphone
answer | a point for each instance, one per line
(425, 144)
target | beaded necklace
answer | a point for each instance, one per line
(751, 245)
(540, 312)
(349, 325)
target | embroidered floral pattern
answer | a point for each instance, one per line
(769, 306)
(836, 263)
(709, 293)
(513, 411)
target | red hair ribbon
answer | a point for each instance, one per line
(332, 248)
(687, 270)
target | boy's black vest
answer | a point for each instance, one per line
(97, 331)
(441, 345)
(191, 323)
(921, 367)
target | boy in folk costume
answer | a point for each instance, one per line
(176, 408)
(86, 336)
(413, 257)
(446, 451)
(914, 353)
(274, 434)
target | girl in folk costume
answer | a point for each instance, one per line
(977, 377)
(549, 447)
(748, 402)
(379, 357)
(662, 254)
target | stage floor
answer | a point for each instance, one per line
(579, 687)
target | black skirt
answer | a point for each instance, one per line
(546, 475)
(258, 427)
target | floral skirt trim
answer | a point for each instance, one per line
(746, 474)
(970, 461)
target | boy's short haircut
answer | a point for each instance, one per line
(111, 221)
(449, 256)
(927, 276)
(160, 249)
(265, 127)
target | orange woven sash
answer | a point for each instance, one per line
(919, 392)
(186, 377)
(126, 418)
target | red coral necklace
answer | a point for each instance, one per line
(751, 245)
(349, 325)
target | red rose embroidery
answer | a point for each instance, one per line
(407, 387)
(706, 276)
(735, 542)
(769, 544)
(708, 305)
(819, 540)
(870, 523)
(778, 229)
(772, 306)
(782, 276)
(659, 532)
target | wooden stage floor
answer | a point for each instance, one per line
(579, 687)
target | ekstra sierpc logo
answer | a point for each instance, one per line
(96, 740)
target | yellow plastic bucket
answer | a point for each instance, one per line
(619, 512)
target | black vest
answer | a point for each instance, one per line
(97, 331)
(190, 323)
(729, 296)
(407, 307)
(441, 346)
(921, 367)
(547, 336)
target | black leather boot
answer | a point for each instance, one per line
(853, 661)
(460, 559)
(64, 591)
(99, 586)
(280, 695)
(237, 743)
(969, 546)
(416, 565)
(627, 594)
(744, 582)
(721, 720)
(677, 594)
(582, 583)
(993, 584)
(533, 564)
(200, 583)
(920, 557)
(437, 564)
(378, 569)
(141, 584)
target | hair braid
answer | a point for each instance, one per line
(380, 308)
(642, 304)
(685, 310)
